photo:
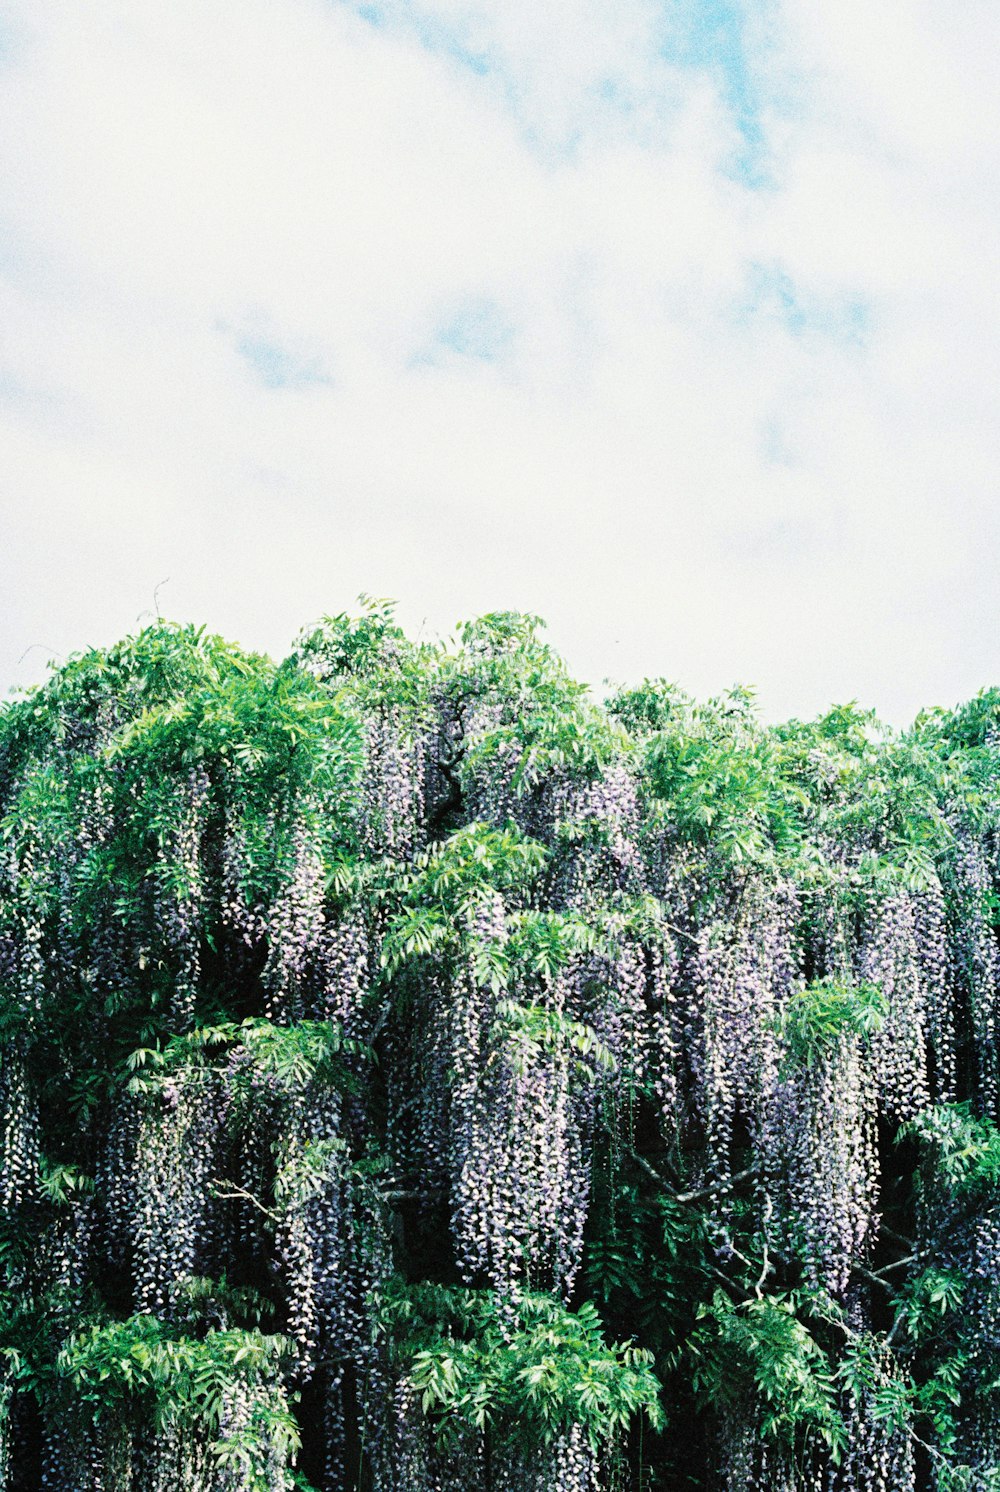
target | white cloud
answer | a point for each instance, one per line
(475, 307)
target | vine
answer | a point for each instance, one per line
(417, 1077)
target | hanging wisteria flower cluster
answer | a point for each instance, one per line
(416, 1077)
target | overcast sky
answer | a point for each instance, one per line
(675, 321)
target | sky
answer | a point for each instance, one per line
(674, 323)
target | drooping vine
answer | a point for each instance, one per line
(417, 1077)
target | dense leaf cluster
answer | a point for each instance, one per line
(414, 1075)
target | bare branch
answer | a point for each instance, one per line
(236, 1193)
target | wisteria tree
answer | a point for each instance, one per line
(415, 1077)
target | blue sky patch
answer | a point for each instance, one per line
(723, 38)
(478, 330)
(432, 33)
(714, 36)
(278, 366)
(772, 294)
(9, 42)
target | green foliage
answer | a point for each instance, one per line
(183, 1377)
(760, 1349)
(289, 1057)
(961, 1151)
(440, 895)
(816, 1019)
(365, 654)
(61, 1183)
(304, 1172)
(527, 1032)
(781, 797)
(650, 1262)
(929, 1297)
(712, 770)
(128, 778)
(527, 1368)
(138, 1371)
(863, 785)
(547, 723)
(867, 1372)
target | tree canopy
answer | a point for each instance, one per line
(418, 1077)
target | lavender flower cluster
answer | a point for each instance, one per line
(301, 1050)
